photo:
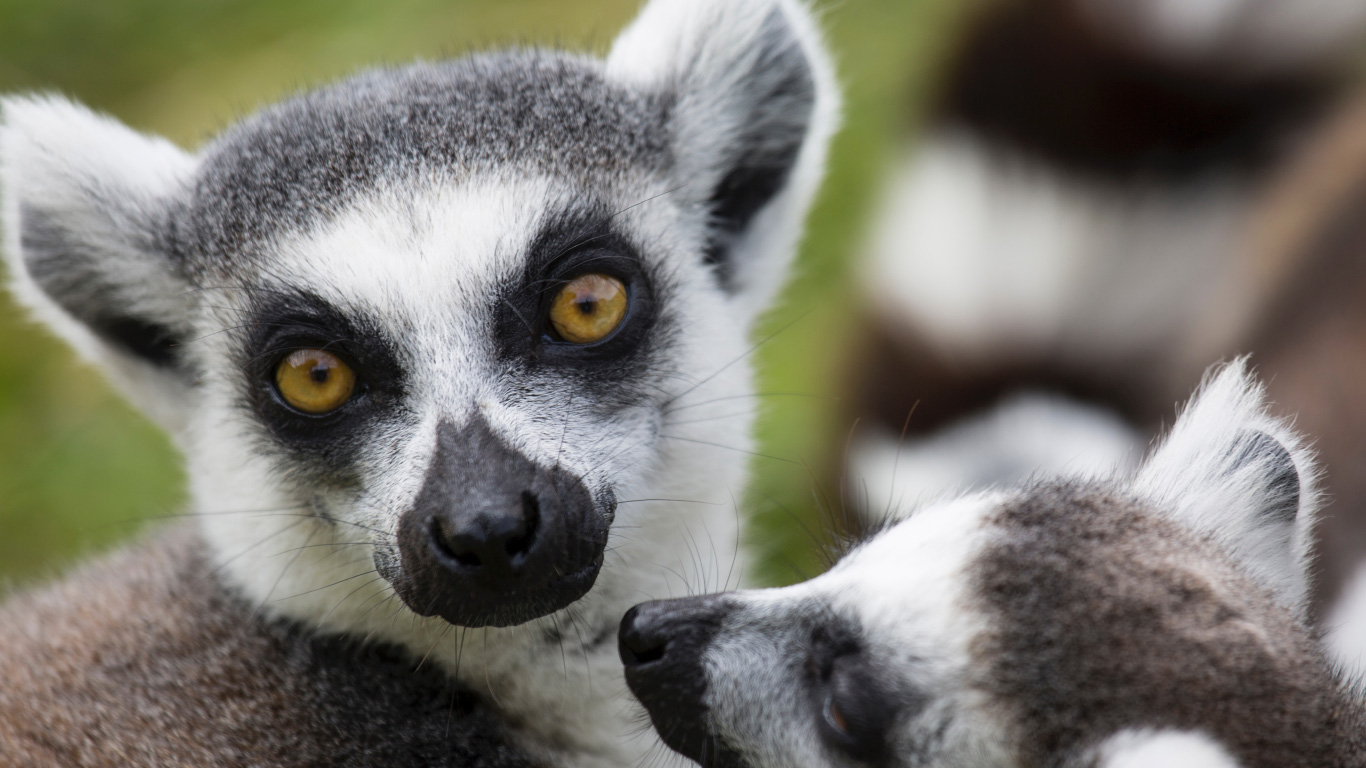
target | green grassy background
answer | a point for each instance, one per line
(80, 471)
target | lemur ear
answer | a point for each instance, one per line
(85, 202)
(752, 103)
(1230, 470)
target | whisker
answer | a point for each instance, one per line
(746, 354)
(729, 448)
(327, 586)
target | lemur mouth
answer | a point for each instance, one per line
(493, 539)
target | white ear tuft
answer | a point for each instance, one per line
(83, 199)
(1232, 471)
(754, 103)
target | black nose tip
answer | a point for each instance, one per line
(640, 641)
(664, 646)
(673, 632)
(499, 542)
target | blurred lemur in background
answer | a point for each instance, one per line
(1106, 197)
(1150, 619)
(442, 346)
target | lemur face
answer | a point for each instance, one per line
(509, 342)
(1033, 626)
(430, 333)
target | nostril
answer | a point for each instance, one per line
(520, 544)
(450, 547)
(646, 654)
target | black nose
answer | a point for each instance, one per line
(496, 540)
(641, 640)
(676, 632)
(664, 645)
(493, 538)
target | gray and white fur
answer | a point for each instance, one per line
(414, 220)
(1148, 618)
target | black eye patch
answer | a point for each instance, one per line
(283, 322)
(851, 700)
(566, 249)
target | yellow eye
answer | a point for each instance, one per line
(588, 308)
(315, 381)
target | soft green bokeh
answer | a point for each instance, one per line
(80, 471)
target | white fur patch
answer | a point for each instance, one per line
(908, 590)
(1162, 749)
(1028, 435)
(1194, 473)
(926, 555)
(990, 257)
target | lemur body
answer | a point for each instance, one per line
(1106, 197)
(423, 337)
(1152, 618)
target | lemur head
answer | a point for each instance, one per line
(1073, 620)
(443, 321)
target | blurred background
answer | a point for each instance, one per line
(1043, 220)
(80, 471)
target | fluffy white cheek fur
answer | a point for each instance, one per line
(930, 616)
(907, 588)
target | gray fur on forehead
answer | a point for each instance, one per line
(1105, 615)
(509, 112)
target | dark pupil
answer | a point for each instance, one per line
(587, 306)
(319, 374)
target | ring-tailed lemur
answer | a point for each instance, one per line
(1154, 619)
(1106, 197)
(444, 347)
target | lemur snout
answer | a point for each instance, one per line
(662, 644)
(494, 539)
